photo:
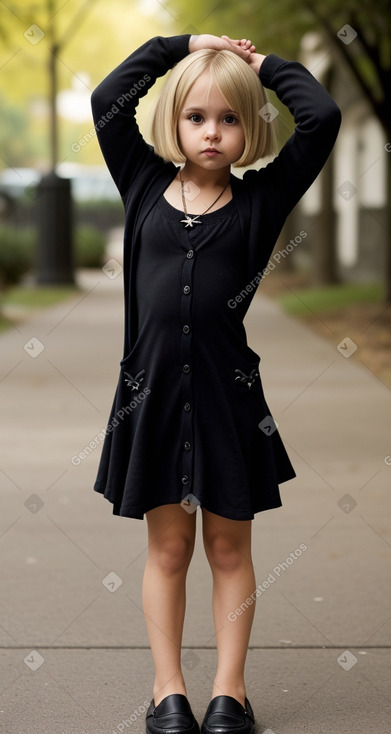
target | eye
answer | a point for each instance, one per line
(197, 115)
(230, 119)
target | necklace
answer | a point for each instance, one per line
(189, 221)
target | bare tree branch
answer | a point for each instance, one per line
(377, 106)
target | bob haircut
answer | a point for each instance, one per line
(239, 85)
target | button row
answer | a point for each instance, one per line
(186, 361)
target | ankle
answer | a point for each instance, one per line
(176, 684)
(230, 688)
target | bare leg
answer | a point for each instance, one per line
(171, 536)
(228, 549)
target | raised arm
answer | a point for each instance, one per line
(317, 119)
(114, 104)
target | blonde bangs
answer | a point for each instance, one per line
(238, 84)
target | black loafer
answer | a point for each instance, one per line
(172, 715)
(226, 715)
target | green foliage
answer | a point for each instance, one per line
(330, 298)
(21, 300)
(277, 27)
(14, 145)
(274, 27)
(91, 38)
(38, 296)
(103, 214)
(16, 253)
(90, 245)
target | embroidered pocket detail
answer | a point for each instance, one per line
(134, 382)
(246, 379)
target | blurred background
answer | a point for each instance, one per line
(53, 53)
(74, 654)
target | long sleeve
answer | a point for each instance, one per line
(114, 104)
(317, 119)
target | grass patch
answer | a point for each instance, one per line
(330, 298)
(37, 297)
(18, 302)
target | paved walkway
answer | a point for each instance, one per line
(75, 656)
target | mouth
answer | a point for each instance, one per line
(211, 151)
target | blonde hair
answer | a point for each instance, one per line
(238, 84)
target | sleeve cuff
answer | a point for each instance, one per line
(269, 66)
(179, 46)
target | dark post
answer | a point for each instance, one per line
(55, 252)
(54, 256)
(325, 266)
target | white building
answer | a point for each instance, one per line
(359, 170)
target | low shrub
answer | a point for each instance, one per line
(17, 253)
(18, 247)
(89, 246)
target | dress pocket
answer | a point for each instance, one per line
(134, 382)
(125, 361)
(132, 373)
(246, 374)
(246, 380)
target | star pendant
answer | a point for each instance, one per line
(189, 221)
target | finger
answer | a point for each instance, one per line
(246, 45)
(243, 42)
(231, 40)
(237, 46)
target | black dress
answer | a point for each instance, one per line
(189, 417)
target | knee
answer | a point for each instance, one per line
(173, 555)
(222, 554)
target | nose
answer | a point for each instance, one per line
(211, 130)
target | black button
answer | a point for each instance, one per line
(187, 446)
(186, 368)
(186, 289)
(185, 479)
(186, 329)
(190, 254)
(187, 407)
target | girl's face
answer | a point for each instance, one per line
(206, 122)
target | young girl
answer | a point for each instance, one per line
(189, 424)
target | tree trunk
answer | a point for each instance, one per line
(388, 225)
(53, 84)
(324, 248)
(53, 108)
(324, 267)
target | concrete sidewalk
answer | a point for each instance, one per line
(75, 657)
